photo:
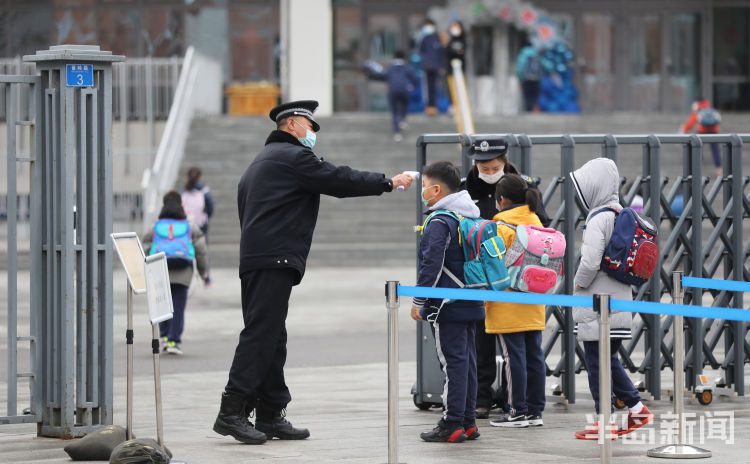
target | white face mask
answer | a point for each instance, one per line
(491, 178)
(455, 31)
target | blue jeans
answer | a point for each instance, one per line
(172, 328)
(622, 387)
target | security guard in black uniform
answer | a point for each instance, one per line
(278, 199)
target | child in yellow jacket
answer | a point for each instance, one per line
(519, 327)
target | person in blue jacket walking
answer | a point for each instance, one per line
(432, 55)
(401, 81)
(452, 323)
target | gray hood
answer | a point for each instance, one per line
(596, 183)
(459, 203)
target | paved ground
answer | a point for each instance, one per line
(338, 377)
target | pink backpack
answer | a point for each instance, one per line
(535, 258)
(194, 203)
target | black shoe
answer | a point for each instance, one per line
(274, 424)
(471, 430)
(445, 432)
(483, 413)
(232, 420)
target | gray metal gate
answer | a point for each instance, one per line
(71, 257)
(22, 115)
(720, 206)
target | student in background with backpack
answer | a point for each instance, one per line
(198, 202)
(452, 323)
(708, 120)
(184, 244)
(596, 184)
(401, 81)
(519, 327)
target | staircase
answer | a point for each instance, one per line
(378, 231)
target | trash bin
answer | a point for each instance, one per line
(256, 98)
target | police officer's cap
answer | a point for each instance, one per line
(304, 108)
(487, 148)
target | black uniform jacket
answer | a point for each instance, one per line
(278, 199)
(483, 195)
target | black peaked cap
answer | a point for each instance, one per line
(304, 108)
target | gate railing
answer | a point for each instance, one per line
(719, 205)
(11, 87)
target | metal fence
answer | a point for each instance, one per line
(705, 239)
(142, 88)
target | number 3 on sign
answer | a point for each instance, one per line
(80, 79)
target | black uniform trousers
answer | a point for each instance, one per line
(257, 372)
(486, 365)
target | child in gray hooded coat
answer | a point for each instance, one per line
(596, 184)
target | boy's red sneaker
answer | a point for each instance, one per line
(592, 433)
(637, 419)
(445, 432)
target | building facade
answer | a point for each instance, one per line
(629, 55)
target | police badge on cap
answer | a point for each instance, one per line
(488, 147)
(304, 108)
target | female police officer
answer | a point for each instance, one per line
(278, 199)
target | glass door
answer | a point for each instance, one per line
(384, 39)
(731, 66)
(598, 64)
(645, 63)
(684, 62)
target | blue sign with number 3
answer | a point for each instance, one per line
(79, 75)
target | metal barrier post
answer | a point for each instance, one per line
(129, 344)
(601, 305)
(157, 383)
(679, 450)
(392, 303)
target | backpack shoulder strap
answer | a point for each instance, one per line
(602, 210)
(439, 212)
(506, 224)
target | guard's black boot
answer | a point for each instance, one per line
(232, 420)
(274, 424)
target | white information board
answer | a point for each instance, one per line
(159, 293)
(130, 251)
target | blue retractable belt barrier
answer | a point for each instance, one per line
(732, 314)
(503, 297)
(714, 284)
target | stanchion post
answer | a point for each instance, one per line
(680, 449)
(157, 383)
(392, 303)
(129, 342)
(601, 305)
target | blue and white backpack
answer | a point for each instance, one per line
(484, 266)
(174, 238)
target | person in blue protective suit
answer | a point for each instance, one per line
(529, 72)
